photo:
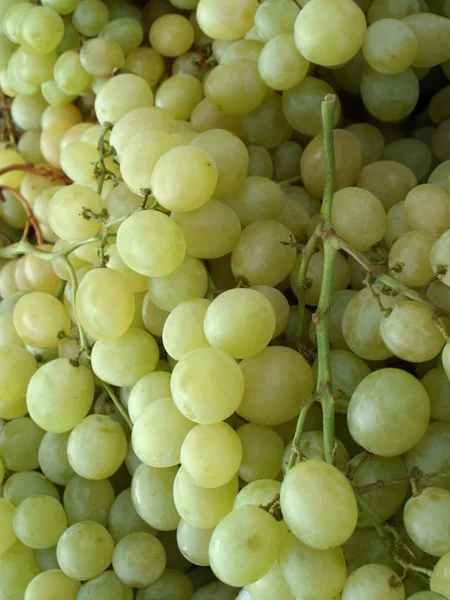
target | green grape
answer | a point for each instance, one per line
(211, 454)
(280, 65)
(135, 280)
(426, 596)
(146, 63)
(259, 492)
(307, 492)
(175, 560)
(364, 547)
(267, 126)
(17, 367)
(389, 97)
(260, 162)
(10, 157)
(286, 165)
(46, 559)
(388, 412)
(202, 507)
(158, 433)
(84, 550)
(428, 207)
(12, 17)
(7, 48)
(86, 500)
(411, 254)
(69, 74)
(40, 30)
(426, 520)
(439, 258)
(53, 460)
(100, 56)
(121, 202)
(358, 217)
(246, 49)
(194, 543)
(127, 32)
(121, 95)
(371, 141)
(97, 447)
(312, 447)
(257, 199)
(139, 559)
(440, 175)
(431, 32)
(374, 582)
(63, 7)
(152, 495)
(24, 484)
(89, 17)
(262, 450)
(437, 386)
(183, 329)
(215, 591)
(8, 536)
(410, 332)
(430, 455)
(171, 35)
(172, 584)
(105, 304)
(51, 585)
(439, 141)
(392, 9)
(26, 111)
(59, 395)
(279, 304)
(19, 444)
(398, 50)
(148, 389)
(226, 22)
(13, 410)
(39, 521)
(151, 244)
(65, 212)
(207, 385)
(27, 70)
(17, 568)
(440, 581)
(274, 18)
(389, 181)
(123, 518)
(179, 95)
(29, 148)
(105, 587)
(309, 572)
(415, 154)
(384, 501)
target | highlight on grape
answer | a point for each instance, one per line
(225, 300)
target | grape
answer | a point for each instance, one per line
(389, 181)
(439, 141)
(411, 254)
(121, 95)
(183, 329)
(215, 591)
(246, 49)
(127, 32)
(440, 175)
(18, 567)
(139, 559)
(308, 571)
(211, 454)
(398, 50)
(388, 412)
(260, 162)
(40, 30)
(123, 518)
(100, 56)
(89, 17)
(413, 153)
(179, 95)
(194, 543)
(39, 521)
(291, 69)
(364, 547)
(24, 484)
(46, 559)
(425, 517)
(430, 455)
(207, 385)
(97, 447)
(203, 507)
(8, 333)
(410, 332)
(439, 578)
(389, 97)
(258, 198)
(152, 495)
(12, 18)
(376, 582)
(135, 280)
(437, 386)
(19, 444)
(87, 500)
(27, 110)
(396, 9)
(271, 585)
(262, 450)
(8, 536)
(172, 584)
(50, 585)
(146, 63)
(65, 212)
(429, 30)
(69, 74)
(426, 596)
(226, 22)
(171, 35)
(11, 157)
(428, 207)
(84, 550)
(60, 395)
(371, 141)
(311, 446)
(148, 389)
(17, 367)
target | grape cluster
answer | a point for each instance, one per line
(224, 315)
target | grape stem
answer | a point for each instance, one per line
(31, 219)
(308, 250)
(111, 393)
(41, 171)
(8, 127)
(295, 451)
(84, 344)
(104, 150)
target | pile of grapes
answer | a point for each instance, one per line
(225, 300)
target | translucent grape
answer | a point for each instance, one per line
(39, 521)
(172, 584)
(183, 329)
(194, 543)
(437, 386)
(24, 484)
(9, 538)
(374, 582)
(410, 253)
(152, 495)
(280, 65)
(206, 116)
(146, 63)
(69, 74)
(425, 517)
(389, 97)
(100, 56)
(389, 181)
(226, 22)
(50, 585)
(17, 367)
(87, 500)
(123, 518)
(428, 207)
(171, 35)
(431, 32)
(18, 567)
(399, 48)
(89, 17)
(179, 95)
(126, 31)
(430, 455)
(439, 578)
(139, 559)
(370, 139)
(413, 153)
(262, 452)
(258, 198)
(121, 95)
(260, 162)
(148, 389)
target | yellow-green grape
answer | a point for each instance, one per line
(183, 329)
(269, 401)
(203, 507)
(17, 367)
(105, 304)
(440, 258)
(279, 304)
(179, 95)
(69, 73)
(295, 217)
(440, 175)
(384, 501)
(126, 31)
(67, 113)
(409, 257)
(121, 95)
(97, 447)
(148, 389)
(39, 521)
(60, 395)
(312, 447)
(280, 65)
(286, 162)
(87, 500)
(100, 56)
(226, 22)
(105, 586)
(257, 199)
(171, 35)
(358, 217)
(388, 412)
(271, 585)
(123, 518)
(330, 32)
(431, 32)
(348, 163)
(29, 147)
(140, 120)
(75, 133)
(8, 537)
(259, 162)
(63, 7)
(392, 9)
(67, 208)
(40, 30)
(439, 294)
(8, 334)
(439, 141)
(194, 543)
(244, 545)
(69, 297)
(440, 581)
(89, 17)
(430, 455)
(240, 322)
(10, 157)
(158, 433)
(267, 126)
(303, 568)
(53, 460)
(371, 141)
(19, 444)
(7, 46)
(26, 111)
(18, 567)
(389, 181)
(39, 319)
(397, 226)
(50, 143)
(52, 585)
(84, 550)
(437, 386)
(211, 454)
(259, 257)
(308, 492)
(13, 410)
(315, 274)
(398, 50)
(153, 317)
(426, 520)
(415, 154)
(152, 495)
(14, 12)
(261, 491)
(77, 160)
(121, 202)
(207, 385)
(172, 584)
(246, 49)
(24, 484)
(27, 70)
(300, 195)
(262, 452)
(124, 360)
(389, 97)
(361, 323)
(146, 63)
(411, 333)
(136, 281)
(274, 18)
(428, 207)
(366, 547)
(8, 285)
(139, 559)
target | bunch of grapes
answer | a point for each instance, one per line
(225, 300)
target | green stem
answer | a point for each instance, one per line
(110, 391)
(295, 451)
(24, 247)
(60, 290)
(302, 285)
(84, 344)
(104, 150)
